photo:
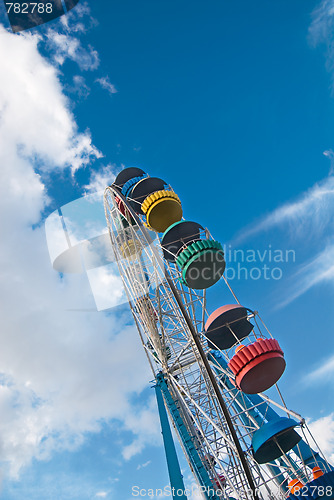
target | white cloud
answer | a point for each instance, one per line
(142, 466)
(192, 486)
(102, 178)
(35, 118)
(79, 87)
(65, 46)
(105, 84)
(62, 373)
(107, 287)
(323, 431)
(79, 20)
(64, 42)
(148, 425)
(102, 494)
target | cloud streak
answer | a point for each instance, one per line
(318, 270)
(305, 223)
(106, 85)
(321, 32)
(322, 372)
(311, 212)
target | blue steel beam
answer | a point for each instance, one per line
(174, 471)
(188, 442)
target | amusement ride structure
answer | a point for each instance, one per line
(211, 368)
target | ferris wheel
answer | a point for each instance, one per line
(211, 368)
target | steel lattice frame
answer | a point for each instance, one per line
(153, 287)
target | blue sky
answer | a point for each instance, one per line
(232, 103)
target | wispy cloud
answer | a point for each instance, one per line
(106, 84)
(321, 32)
(102, 494)
(79, 87)
(317, 270)
(324, 371)
(330, 154)
(321, 28)
(311, 212)
(65, 46)
(322, 21)
(142, 466)
(79, 20)
(64, 41)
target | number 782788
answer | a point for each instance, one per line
(29, 8)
